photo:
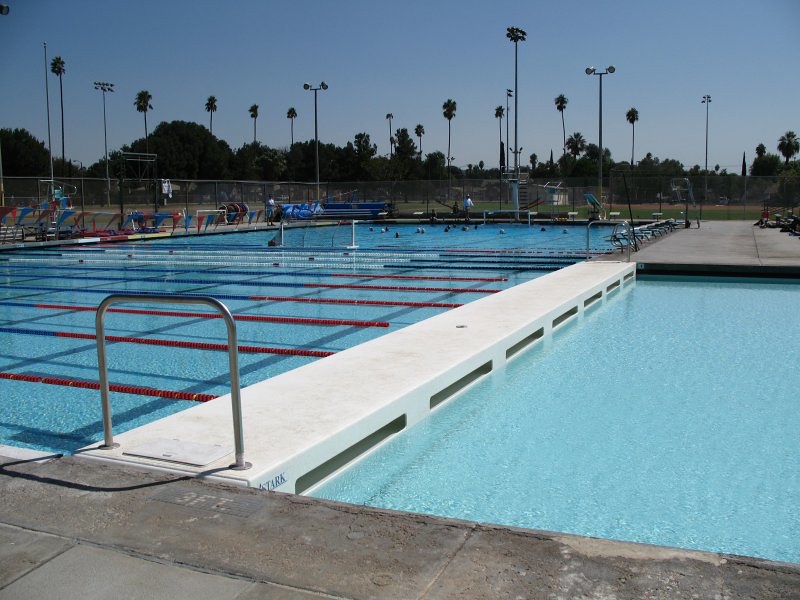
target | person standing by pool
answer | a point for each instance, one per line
(467, 205)
(270, 210)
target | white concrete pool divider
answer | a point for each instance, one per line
(303, 425)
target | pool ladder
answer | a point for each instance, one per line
(233, 354)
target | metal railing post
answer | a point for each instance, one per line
(233, 355)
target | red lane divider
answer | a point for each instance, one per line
(417, 277)
(353, 302)
(397, 288)
(202, 315)
(113, 387)
(196, 345)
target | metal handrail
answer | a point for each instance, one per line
(233, 353)
(599, 222)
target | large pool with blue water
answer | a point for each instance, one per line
(314, 295)
(667, 414)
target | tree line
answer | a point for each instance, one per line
(187, 150)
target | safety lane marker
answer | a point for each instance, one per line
(170, 343)
(113, 387)
(204, 315)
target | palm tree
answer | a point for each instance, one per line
(389, 117)
(499, 113)
(254, 116)
(761, 150)
(575, 144)
(211, 108)
(57, 67)
(291, 114)
(632, 116)
(788, 145)
(448, 111)
(419, 131)
(516, 35)
(142, 104)
(561, 106)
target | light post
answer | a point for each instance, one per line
(706, 100)
(592, 71)
(509, 94)
(3, 11)
(321, 86)
(104, 87)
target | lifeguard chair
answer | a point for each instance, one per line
(682, 189)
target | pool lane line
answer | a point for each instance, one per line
(247, 298)
(113, 387)
(413, 277)
(170, 343)
(280, 284)
(399, 288)
(135, 270)
(204, 315)
(355, 302)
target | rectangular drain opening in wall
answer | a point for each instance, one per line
(524, 342)
(592, 299)
(628, 275)
(612, 286)
(559, 320)
(459, 385)
(319, 473)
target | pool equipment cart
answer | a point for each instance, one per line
(236, 403)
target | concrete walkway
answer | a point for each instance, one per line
(73, 529)
(720, 247)
(76, 529)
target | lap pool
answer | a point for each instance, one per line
(666, 414)
(293, 305)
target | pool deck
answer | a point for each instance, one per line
(77, 528)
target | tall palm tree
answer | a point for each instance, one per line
(57, 67)
(142, 104)
(499, 113)
(516, 35)
(632, 116)
(291, 114)
(448, 111)
(389, 117)
(575, 144)
(254, 116)
(788, 145)
(211, 108)
(561, 106)
(419, 131)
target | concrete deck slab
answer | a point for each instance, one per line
(721, 247)
(114, 518)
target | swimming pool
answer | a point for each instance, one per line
(293, 304)
(665, 415)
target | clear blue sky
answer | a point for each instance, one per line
(407, 58)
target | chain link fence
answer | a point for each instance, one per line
(715, 197)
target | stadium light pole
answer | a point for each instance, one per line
(706, 100)
(3, 11)
(592, 71)
(104, 87)
(321, 86)
(509, 94)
